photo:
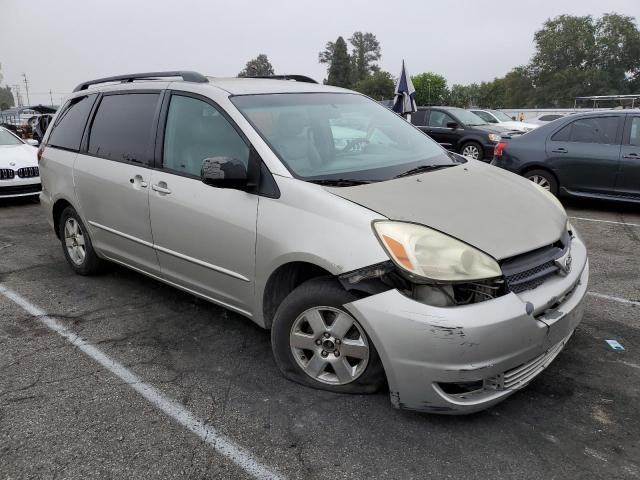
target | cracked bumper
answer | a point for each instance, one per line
(495, 342)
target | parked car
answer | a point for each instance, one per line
(496, 117)
(377, 259)
(545, 118)
(19, 175)
(459, 130)
(595, 154)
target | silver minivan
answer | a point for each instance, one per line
(375, 257)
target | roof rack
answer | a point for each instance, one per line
(187, 76)
(297, 78)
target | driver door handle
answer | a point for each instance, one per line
(560, 150)
(633, 156)
(161, 188)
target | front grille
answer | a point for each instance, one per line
(19, 189)
(523, 374)
(530, 270)
(28, 172)
(7, 174)
(532, 278)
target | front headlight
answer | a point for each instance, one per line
(432, 255)
(494, 137)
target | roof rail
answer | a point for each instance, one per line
(297, 78)
(187, 76)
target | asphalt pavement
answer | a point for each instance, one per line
(185, 389)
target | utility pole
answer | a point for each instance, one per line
(26, 87)
(18, 96)
(51, 97)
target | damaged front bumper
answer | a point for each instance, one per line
(464, 359)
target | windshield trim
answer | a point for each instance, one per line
(327, 177)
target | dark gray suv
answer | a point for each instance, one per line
(595, 154)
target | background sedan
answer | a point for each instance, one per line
(594, 154)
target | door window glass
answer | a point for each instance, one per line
(634, 136)
(418, 118)
(589, 130)
(487, 117)
(439, 119)
(69, 127)
(195, 131)
(122, 129)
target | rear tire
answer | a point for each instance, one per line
(472, 150)
(543, 178)
(316, 342)
(76, 244)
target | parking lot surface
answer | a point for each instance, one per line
(65, 415)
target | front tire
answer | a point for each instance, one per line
(316, 342)
(76, 244)
(472, 150)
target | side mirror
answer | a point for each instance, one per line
(32, 142)
(452, 125)
(225, 172)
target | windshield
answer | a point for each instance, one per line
(503, 117)
(339, 136)
(466, 117)
(7, 138)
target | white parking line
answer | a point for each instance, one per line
(168, 406)
(615, 299)
(605, 221)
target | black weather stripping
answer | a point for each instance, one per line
(297, 78)
(187, 76)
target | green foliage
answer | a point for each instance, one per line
(379, 85)
(366, 51)
(340, 68)
(431, 88)
(6, 98)
(258, 67)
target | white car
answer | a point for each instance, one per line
(504, 120)
(19, 174)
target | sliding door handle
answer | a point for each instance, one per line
(161, 188)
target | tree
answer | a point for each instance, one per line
(258, 67)
(431, 88)
(366, 51)
(340, 68)
(326, 56)
(379, 86)
(6, 98)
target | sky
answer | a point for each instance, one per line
(60, 43)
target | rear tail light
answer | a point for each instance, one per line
(40, 152)
(499, 149)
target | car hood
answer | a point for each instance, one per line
(20, 155)
(518, 125)
(494, 210)
(491, 128)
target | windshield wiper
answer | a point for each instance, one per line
(339, 182)
(422, 169)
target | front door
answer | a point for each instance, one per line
(204, 236)
(628, 180)
(438, 130)
(112, 178)
(586, 152)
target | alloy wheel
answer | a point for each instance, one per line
(74, 241)
(329, 345)
(471, 151)
(541, 181)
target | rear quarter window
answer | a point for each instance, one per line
(69, 127)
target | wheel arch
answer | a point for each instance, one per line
(283, 280)
(56, 212)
